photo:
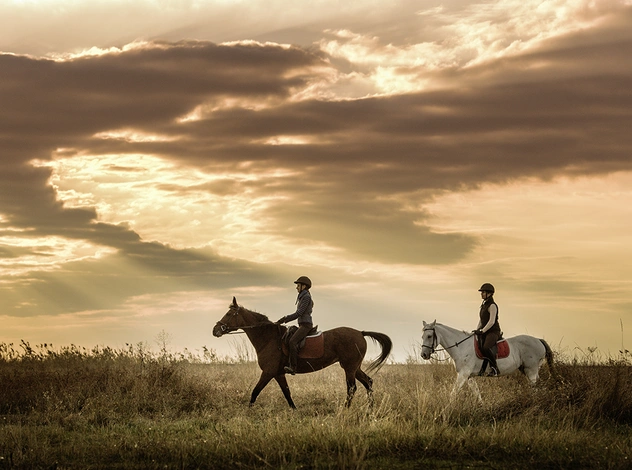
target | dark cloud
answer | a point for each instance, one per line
(53, 102)
(15, 252)
(369, 229)
(49, 105)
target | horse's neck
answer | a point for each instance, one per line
(448, 337)
(260, 337)
(253, 318)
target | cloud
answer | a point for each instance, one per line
(525, 115)
(50, 105)
(287, 163)
(58, 108)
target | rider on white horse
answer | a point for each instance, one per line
(488, 329)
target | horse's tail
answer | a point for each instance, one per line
(548, 354)
(386, 344)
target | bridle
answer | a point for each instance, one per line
(228, 330)
(232, 330)
(435, 341)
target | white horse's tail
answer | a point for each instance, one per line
(549, 357)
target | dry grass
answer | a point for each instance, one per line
(105, 408)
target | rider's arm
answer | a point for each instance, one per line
(493, 311)
(303, 305)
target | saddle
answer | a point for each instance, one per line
(502, 349)
(311, 347)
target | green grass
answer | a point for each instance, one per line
(103, 408)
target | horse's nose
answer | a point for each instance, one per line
(217, 331)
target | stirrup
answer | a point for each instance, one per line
(493, 372)
(289, 370)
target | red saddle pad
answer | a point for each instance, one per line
(313, 349)
(502, 345)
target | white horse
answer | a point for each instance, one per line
(526, 353)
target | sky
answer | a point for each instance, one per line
(160, 157)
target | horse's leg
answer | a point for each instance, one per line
(532, 374)
(368, 384)
(263, 381)
(285, 388)
(460, 381)
(530, 367)
(351, 386)
(471, 382)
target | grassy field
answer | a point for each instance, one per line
(72, 408)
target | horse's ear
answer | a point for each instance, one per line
(434, 323)
(234, 302)
(424, 322)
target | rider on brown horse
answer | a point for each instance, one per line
(304, 315)
(488, 329)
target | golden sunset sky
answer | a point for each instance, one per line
(160, 157)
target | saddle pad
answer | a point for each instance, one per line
(502, 345)
(313, 349)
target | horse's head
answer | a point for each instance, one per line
(429, 340)
(231, 321)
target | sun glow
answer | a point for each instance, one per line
(487, 32)
(132, 135)
(227, 211)
(31, 253)
(179, 206)
(559, 226)
(288, 140)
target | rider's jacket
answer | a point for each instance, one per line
(304, 308)
(484, 316)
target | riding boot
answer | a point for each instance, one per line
(489, 350)
(295, 340)
(483, 367)
(291, 368)
(493, 367)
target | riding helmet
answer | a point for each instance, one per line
(487, 287)
(304, 280)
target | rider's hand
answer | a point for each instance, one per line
(478, 332)
(280, 321)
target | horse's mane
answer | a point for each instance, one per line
(260, 317)
(446, 326)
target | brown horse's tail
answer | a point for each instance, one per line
(549, 357)
(386, 344)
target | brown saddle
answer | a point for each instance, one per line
(312, 347)
(502, 347)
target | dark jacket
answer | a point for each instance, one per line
(304, 308)
(484, 316)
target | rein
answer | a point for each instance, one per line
(434, 340)
(232, 330)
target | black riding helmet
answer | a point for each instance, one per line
(304, 280)
(487, 287)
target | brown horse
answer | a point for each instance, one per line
(344, 345)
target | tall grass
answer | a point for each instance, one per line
(133, 408)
